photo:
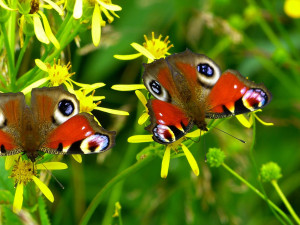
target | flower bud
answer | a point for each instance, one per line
(215, 157)
(270, 171)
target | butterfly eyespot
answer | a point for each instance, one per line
(208, 72)
(155, 86)
(66, 107)
(157, 90)
(3, 121)
(205, 69)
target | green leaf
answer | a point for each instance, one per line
(10, 217)
(43, 212)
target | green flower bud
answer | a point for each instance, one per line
(215, 157)
(280, 56)
(237, 22)
(28, 27)
(270, 171)
(24, 6)
(251, 13)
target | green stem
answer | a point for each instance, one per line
(66, 39)
(257, 172)
(256, 191)
(21, 55)
(285, 201)
(121, 176)
(8, 50)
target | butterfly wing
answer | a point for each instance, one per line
(233, 94)
(168, 122)
(12, 106)
(177, 80)
(63, 129)
(80, 134)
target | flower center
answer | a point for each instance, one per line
(86, 102)
(156, 46)
(35, 5)
(23, 171)
(58, 74)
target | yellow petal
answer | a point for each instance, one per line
(109, 17)
(77, 157)
(89, 87)
(10, 160)
(52, 166)
(128, 57)
(143, 118)
(109, 6)
(98, 98)
(77, 13)
(140, 138)
(55, 7)
(113, 111)
(40, 64)
(44, 189)
(242, 119)
(141, 97)
(39, 30)
(262, 122)
(165, 163)
(3, 5)
(143, 50)
(128, 87)
(195, 133)
(292, 8)
(36, 84)
(18, 200)
(48, 30)
(96, 25)
(190, 159)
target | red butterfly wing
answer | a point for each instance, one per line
(168, 122)
(79, 135)
(11, 107)
(233, 94)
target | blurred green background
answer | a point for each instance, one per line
(254, 37)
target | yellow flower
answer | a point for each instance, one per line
(292, 8)
(154, 48)
(35, 16)
(248, 123)
(143, 118)
(100, 6)
(87, 102)
(57, 74)
(174, 146)
(24, 172)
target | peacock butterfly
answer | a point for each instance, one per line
(190, 87)
(51, 124)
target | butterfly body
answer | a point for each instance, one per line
(189, 88)
(52, 124)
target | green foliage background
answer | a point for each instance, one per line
(268, 52)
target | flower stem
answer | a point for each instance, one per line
(21, 55)
(257, 192)
(285, 201)
(8, 50)
(121, 176)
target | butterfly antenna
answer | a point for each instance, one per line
(60, 184)
(230, 135)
